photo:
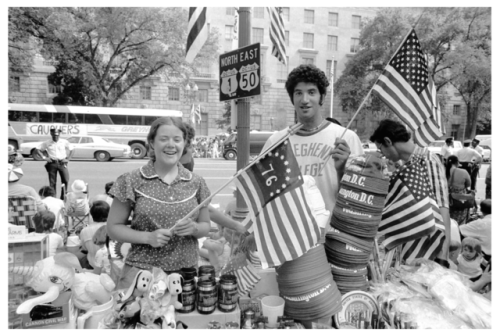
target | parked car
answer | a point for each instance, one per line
(369, 147)
(486, 153)
(85, 147)
(257, 142)
(435, 147)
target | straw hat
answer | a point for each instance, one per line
(78, 186)
(15, 173)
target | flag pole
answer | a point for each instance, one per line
(331, 81)
(369, 92)
(291, 131)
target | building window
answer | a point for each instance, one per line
(255, 122)
(173, 93)
(285, 13)
(54, 88)
(145, 92)
(282, 69)
(308, 16)
(308, 40)
(356, 22)
(454, 130)
(228, 32)
(15, 84)
(258, 12)
(329, 69)
(307, 60)
(354, 45)
(333, 19)
(202, 127)
(287, 38)
(332, 42)
(203, 95)
(229, 10)
(456, 110)
(258, 35)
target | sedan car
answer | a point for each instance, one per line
(85, 147)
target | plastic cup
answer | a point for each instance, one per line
(272, 307)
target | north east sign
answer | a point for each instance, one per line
(239, 74)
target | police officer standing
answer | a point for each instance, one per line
(470, 160)
(58, 155)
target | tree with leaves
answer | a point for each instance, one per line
(104, 52)
(456, 42)
(226, 117)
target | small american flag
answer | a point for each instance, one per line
(404, 84)
(245, 273)
(433, 128)
(197, 32)
(283, 223)
(410, 211)
(277, 34)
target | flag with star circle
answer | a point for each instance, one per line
(279, 215)
(410, 207)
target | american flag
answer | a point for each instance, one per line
(433, 128)
(404, 84)
(245, 273)
(410, 210)
(283, 224)
(277, 34)
(197, 32)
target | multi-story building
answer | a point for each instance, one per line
(317, 35)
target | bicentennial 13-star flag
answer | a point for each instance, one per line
(282, 222)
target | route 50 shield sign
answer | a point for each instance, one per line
(239, 75)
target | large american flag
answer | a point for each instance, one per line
(197, 32)
(433, 127)
(283, 224)
(277, 34)
(404, 84)
(410, 210)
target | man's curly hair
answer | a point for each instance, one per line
(307, 73)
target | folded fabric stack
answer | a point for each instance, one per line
(307, 285)
(355, 220)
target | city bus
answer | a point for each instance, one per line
(32, 122)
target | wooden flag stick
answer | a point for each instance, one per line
(292, 130)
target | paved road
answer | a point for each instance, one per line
(215, 171)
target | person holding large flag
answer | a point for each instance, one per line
(395, 143)
(318, 138)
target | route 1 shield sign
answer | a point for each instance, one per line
(239, 75)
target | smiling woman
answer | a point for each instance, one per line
(159, 194)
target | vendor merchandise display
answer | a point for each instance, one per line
(355, 221)
(307, 286)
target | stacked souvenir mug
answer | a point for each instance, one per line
(355, 220)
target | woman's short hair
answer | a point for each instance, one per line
(452, 160)
(44, 221)
(100, 236)
(307, 73)
(99, 211)
(394, 130)
(175, 121)
(47, 191)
